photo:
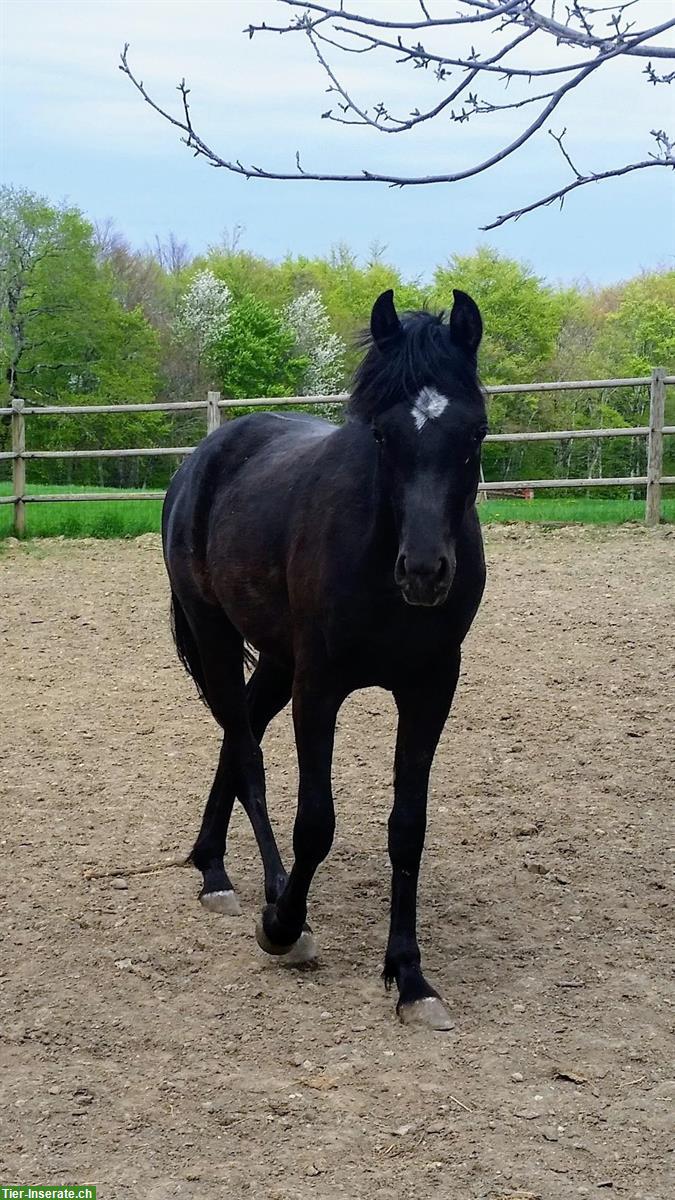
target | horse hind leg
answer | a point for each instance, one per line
(208, 853)
(215, 659)
(267, 692)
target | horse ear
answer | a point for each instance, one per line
(384, 323)
(466, 324)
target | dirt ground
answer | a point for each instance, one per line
(150, 1047)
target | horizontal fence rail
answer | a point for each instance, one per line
(499, 389)
(214, 406)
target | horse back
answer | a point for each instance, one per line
(204, 490)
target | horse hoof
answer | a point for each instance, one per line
(305, 950)
(430, 1013)
(224, 903)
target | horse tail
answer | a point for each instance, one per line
(188, 650)
(186, 646)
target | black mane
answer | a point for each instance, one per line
(423, 355)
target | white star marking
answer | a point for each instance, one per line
(428, 406)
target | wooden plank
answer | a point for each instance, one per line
(519, 484)
(563, 435)
(274, 401)
(76, 410)
(19, 467)
(657, 410)
(501, 389)
(566, 385)
(562, 385)
(89, 497)
(85, 497)
(212, 412)
(510, 485)
(158, 452)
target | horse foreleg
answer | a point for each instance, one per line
(423, 712)
(283, 927)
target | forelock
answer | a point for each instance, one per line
(423, 360)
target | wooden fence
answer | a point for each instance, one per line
(214, 407)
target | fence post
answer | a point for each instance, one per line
(212, 411)
(19, 467)
(657, 414)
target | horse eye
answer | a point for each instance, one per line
(378, 435)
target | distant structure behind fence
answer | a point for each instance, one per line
(214, 407)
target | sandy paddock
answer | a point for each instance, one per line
(149, 1047)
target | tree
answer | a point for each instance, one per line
(256, 355)
(639, 333)
(475, 50)
(137, 278)
(204, 312)
(43, 250)
(307, 317)
(65, 338)
(521, 314)
(62, 332)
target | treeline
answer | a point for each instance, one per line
(86, 318)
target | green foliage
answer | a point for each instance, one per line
(346, 289)
(640, 332)
(84, 318)
(66, 339)
(62, 332)
(522, 315)
(256, 354)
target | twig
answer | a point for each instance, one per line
(558, 137)
(149, 869)
(560, 193)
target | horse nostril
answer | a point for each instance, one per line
(400, 569)
(443, 569)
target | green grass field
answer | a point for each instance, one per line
(107, 519)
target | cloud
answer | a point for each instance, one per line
(74, 124)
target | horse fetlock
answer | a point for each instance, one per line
(217, 894)
(274, 887)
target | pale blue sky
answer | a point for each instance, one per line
(74, 129)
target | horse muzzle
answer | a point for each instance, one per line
(425, 583)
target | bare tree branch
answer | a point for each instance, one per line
(600, 34)
(581, 181)
(494, 10)
(516, 10)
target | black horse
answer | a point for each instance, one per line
(349, 557)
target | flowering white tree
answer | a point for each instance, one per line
(204, 312)
(307, 317)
